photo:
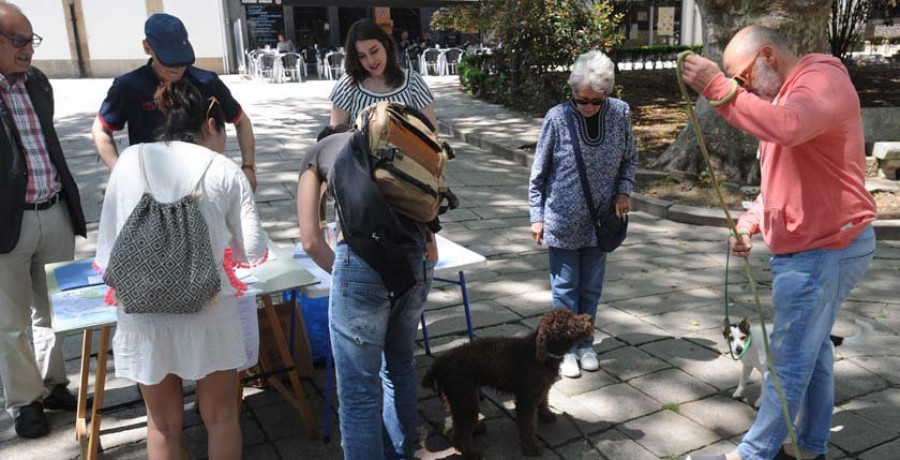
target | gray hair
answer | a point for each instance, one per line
(595, 69)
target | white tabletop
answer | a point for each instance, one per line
(452, 258)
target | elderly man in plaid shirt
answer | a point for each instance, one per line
(40, 213)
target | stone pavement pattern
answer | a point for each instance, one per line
(665, 384)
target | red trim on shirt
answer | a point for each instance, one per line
(106, 125)
(237, 117)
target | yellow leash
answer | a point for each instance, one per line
(762, 323)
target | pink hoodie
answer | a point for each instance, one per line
(812, 155)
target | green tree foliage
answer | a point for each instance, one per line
(539, 40)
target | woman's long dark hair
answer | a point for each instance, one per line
(366, 29)
(185, 111)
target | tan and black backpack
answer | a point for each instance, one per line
(409, 160)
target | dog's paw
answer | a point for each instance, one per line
(738, 394)
(532, 450)
(547, 417)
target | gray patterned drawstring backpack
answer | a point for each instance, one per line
(162, 260)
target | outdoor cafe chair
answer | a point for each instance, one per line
(450, 59)
(428, 63)
(265, 66)
(334, 65)
(293, 65)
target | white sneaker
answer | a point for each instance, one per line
(588, 359)
(569, 367)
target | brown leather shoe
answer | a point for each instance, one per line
(31, 421)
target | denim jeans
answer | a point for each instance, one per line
(807, 292)
(576, 279)
(373, 342)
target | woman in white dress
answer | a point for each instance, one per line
(158, 351)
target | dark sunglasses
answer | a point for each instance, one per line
(594, 102)
(19, 41)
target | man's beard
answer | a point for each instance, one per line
(767, 83)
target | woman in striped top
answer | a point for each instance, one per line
(373, 74)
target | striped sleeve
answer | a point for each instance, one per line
(342, 94)
(419, 93)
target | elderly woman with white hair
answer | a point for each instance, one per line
(600, 127)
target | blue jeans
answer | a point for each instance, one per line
(373, 343)
(576, 278)
(807, 292)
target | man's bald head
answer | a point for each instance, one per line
(10, 12)
(16, 47)
(748, 41)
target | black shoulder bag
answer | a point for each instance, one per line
(610, 229)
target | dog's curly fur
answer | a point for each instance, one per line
(524, 367)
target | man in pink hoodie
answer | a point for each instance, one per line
(813, 211)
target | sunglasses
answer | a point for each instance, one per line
(745, 76)
(594, 102)
(212, 102)
(19, 41)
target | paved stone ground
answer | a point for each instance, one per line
(665, 381)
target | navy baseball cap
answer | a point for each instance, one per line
(169, 40)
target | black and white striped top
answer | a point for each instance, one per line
(350, 97)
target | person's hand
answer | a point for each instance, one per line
(251, 177)
(623, 205)
(698, 71)
(537, 232)
(741, 246)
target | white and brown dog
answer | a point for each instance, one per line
(746, 345)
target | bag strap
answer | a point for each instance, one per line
(582, 172)
(146, 181)
(196, 188)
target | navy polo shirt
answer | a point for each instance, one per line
(130, 100)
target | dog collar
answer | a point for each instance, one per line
(746, 347)
(551, 355)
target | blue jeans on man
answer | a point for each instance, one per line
(807, 291)
(576, 279)
(373, 341)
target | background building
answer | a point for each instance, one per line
(102, 38)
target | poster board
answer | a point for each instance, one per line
(264, 22)
(665, 21)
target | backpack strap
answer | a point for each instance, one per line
(144, 179)
(196, 191)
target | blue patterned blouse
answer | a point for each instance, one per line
(555, 195)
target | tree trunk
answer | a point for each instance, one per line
(804, 25)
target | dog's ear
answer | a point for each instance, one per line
(541, 343)
(745, 324)
(725, 326)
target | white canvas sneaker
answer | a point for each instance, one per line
(569, 367)
(588, 359)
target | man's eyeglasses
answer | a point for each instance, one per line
(19, 41)
(594, 102)
(745, 76)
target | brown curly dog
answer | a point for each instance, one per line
(524, 367)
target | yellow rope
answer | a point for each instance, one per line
(762, 323)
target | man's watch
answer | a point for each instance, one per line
(251, 167)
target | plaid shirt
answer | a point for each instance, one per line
(43, 179)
